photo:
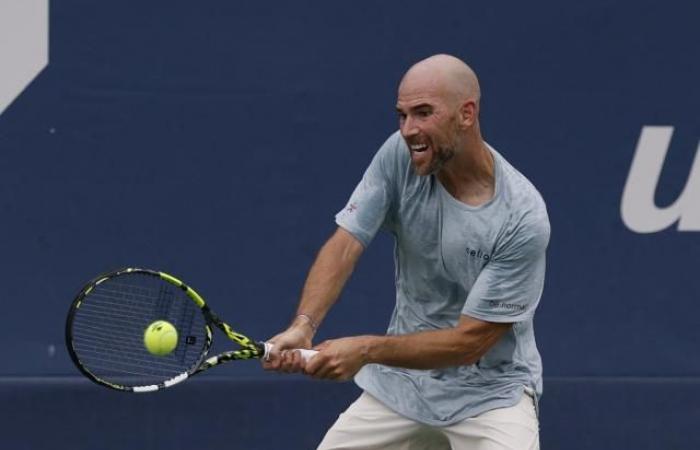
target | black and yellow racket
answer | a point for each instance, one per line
(113, 318)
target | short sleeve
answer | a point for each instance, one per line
(509, 287)
(372, 200)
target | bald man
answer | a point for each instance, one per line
(458, 367)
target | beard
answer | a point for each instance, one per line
(439, 156)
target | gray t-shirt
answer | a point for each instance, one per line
(487, 262)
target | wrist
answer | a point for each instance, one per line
(369, 349)
(306, 323)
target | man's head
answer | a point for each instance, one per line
(438, 106)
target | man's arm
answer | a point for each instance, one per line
(327, 277)
(463, 344)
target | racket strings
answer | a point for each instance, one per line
(187, 321)
(125, 290)
(103, 341)
(126, 362)
(121, 320)
(108, 328)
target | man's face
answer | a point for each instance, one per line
(428, 124)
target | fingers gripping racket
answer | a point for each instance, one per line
(108, 318)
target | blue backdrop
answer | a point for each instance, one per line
(217, 140)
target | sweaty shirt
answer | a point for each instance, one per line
(487, 262)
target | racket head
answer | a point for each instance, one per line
(106, 324)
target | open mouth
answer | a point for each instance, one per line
(419, 148)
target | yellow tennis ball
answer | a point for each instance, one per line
(160, 338)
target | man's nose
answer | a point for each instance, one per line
(408, 128)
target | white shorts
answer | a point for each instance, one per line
(368, 424)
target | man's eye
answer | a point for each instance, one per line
(423, 113)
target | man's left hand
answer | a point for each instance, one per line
(338, 359)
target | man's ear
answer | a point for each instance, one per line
(468, 113)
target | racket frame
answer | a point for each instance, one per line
(250, 349)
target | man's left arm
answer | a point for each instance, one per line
(466, 343)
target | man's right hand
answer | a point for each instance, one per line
(282, 357)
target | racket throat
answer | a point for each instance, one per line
(251, 349)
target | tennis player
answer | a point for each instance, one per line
(458, 367)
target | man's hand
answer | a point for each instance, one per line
(339, 359)
(281, 357)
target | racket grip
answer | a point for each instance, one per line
(305, 353)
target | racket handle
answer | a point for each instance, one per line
(305, 353)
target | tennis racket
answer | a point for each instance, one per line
(107, 320)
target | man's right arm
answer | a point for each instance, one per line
(327, 277)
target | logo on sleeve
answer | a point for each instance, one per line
(504, 305)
